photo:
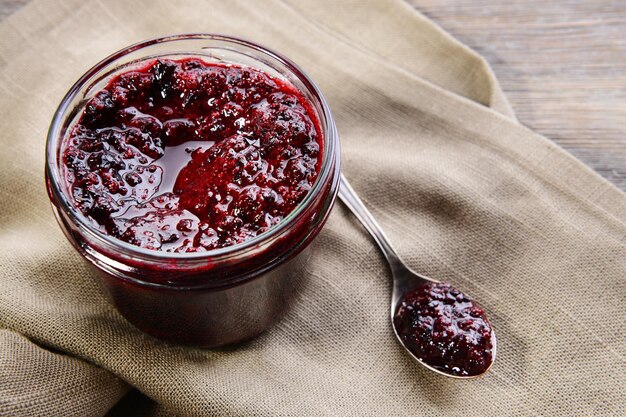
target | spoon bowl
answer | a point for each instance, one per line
(404, 281)
(437, 314)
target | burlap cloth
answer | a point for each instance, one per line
(429, 141)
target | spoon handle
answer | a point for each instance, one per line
(356, 206)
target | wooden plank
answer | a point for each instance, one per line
(561, 64)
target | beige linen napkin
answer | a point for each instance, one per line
(430, 143)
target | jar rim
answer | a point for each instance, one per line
(330, 138)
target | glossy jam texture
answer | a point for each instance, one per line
(186, 156)
(446, 330)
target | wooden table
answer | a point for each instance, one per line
(561, 64)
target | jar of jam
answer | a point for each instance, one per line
(193, 173)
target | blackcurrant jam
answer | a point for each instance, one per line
(186, 156)
(193, 173)
(445, 329)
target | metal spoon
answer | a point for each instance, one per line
(404, 279)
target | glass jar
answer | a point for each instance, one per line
(211, 298)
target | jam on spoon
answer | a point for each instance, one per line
(442, 327)
(437, 324)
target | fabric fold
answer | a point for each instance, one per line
(35, 381)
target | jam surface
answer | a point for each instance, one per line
(187, 156)
(445, 329)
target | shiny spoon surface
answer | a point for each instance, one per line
(405, 280)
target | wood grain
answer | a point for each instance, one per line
(561, 64)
